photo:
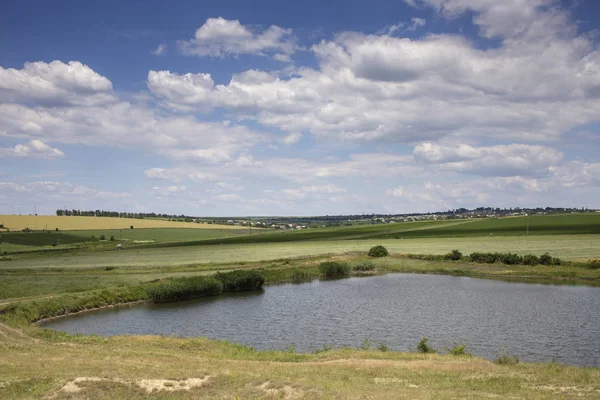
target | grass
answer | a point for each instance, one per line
(160, 234)
(39, 222)
(566, 247)
(586, 223)
(40, 239)
(40, 363)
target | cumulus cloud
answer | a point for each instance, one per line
(160, 50)
(292, 138)
(220, 37)
(500, 160)
(67, 112)
(33, 149)
(55, 84)
(533, 86)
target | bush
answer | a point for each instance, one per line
(102, 237)
(506, 359)
(334, 269)
(545, 259)
(511, 259)
(594, 264)
(299, 276)
(364, 266)
(112, 238)
(185, 288)
(240, 280)
(378, 251)
(131, 227)
(487, 258)
(424, 347)
(454, 255)
(459, 350)
(530, 259)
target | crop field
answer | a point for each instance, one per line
(39, 222)
(95, 274)
(565, 246)
(588, 223)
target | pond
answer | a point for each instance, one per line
(532, 321)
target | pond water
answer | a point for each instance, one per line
(532, 321)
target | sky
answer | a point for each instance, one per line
(237, 108)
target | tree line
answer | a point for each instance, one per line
(115, 214)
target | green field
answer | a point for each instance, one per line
(567, 246)
(587, 223)
(161, 235)
(45, 364)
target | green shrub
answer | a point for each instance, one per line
(459, 350)
(185, 288)
(487, 258)
(556, 261)
(530, 259)
(240, 280)
(378, 251)
(594, 264)
(545, 259)
(511, 259)
(364, 266)
(334, 269)
(454, 255)
(506, 359)
(299, 276)
(424, 347)
(427, 257)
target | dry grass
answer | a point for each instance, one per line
(39, 222)
(37, 365)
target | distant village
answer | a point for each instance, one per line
(313, 222)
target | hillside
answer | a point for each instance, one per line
(39, 222)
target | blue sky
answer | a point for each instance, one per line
(299, 108)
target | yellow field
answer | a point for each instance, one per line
(39, 222)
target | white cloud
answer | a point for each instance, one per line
(160, 50)
(416, 23)
(228, 186)
(169, 190)
(499, 160)
(55, 84)
(219, 37)
(292, 138)
(533, 87)
(33, 149)
(507, 18)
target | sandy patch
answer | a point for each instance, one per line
(169, 385)
(73, 387)
(286, 392)
(149, 385)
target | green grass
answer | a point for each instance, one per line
(587, 223)
(39, 239)
(565, 247)
(39, 363)
(161, 235)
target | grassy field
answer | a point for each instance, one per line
(26, 283)
(568, 247)
(38, 363)
(587, 223)
(39, 222)
(161, 235)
